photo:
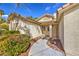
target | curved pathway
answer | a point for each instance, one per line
(40, 48)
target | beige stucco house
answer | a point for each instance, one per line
(44, 25)
(47, 22)
(23, 25)
(64, 26)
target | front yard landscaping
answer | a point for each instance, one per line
(12, 43)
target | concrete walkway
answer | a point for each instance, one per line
(40, 48)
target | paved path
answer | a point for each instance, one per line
(40, 48)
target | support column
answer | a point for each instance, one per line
(55, 31)
(50, 31)
(46, 28)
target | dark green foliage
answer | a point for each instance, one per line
(14, 32)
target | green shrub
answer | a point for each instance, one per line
(14, 47)
(3, 32)
(14, 32)
(4, 26)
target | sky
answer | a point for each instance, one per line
(30, 9)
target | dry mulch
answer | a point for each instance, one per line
(56, 44)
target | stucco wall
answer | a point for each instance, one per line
(71, 33)
(61, 31)
(34, 29)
